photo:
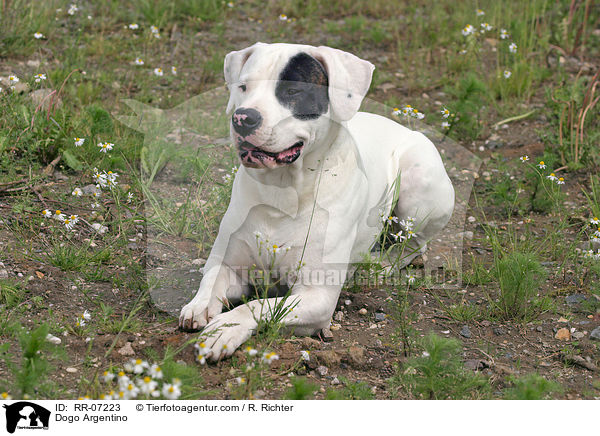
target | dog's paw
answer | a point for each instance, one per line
(198, 313)
(225, 333)
(194, 315)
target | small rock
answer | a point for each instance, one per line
(574, 299)
(42, 97)
(71, 370)
(34, 63)
(380, 317)
(348, 302)
(132, 246)
(595, 334)
(471, 219)
(335, 381)
(578, 335)
(90, 189)
(467, 234)
(563, 319)
(100, 228)
(339, 316)
(326, 335)
(465, 332)
(3, 273)
(563, 334)
(486, 323)
(198, 261)
(53, 339)
(539, 328)
(499, 331)
(126, 350)
(362, 311)
(322, 370)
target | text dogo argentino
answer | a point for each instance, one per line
(316, 175)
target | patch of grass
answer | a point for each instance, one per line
(531, 387)
(301, 389)
(11, 294)
(439, 373)
(30, 376)
(519, 275)
(351, 391)
(477, 275)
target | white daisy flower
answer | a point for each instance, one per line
(79, 141)
(72, 9)
(38, 35)
(148, 386)
(139, 61)
(541, 165)
(107, 376)
(105, 146)
(129, 197)
(390, 219)
(155, 371)
(445, 113)
(396, 111)
(410, 278)
(251, 351)
(138, 365)
(468, 30)
(58, 215)
(77, 192)
(269, 357)
(399, 236)
(524, 158)
(480, 13)
(283, 17)
(305, 355)
(170, 391)
(504, 34)
(552, 177)
(174, 71)
(46, 213)
(445, 125)
(134, 26)
(158, 72)
(560, 181)
(507, 74)
(512, 47)
(486, 27)
(595, 221)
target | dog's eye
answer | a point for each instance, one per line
(243, 88)
(293, 91)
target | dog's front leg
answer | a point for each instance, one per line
(306, 311)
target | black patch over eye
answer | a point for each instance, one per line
(303, 87)
(242, 87)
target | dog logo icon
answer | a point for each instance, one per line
(26, 415)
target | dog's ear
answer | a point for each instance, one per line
(232, 67)
(349, 80)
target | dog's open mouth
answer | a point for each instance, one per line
(253, 156)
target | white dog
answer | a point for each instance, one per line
(317, 176)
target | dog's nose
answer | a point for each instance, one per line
(245, 121)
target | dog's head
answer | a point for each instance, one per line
(285, 96)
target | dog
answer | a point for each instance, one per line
(317, 176)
